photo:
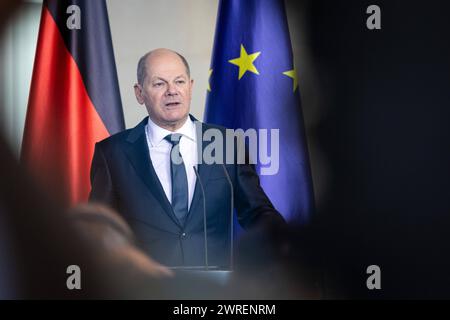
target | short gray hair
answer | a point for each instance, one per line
(142, 66)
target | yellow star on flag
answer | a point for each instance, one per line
(245, 62)
(209, 77)
(292, 74)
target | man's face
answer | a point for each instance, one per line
(166, 91)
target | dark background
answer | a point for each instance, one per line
(383, 136)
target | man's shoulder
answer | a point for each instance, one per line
(115, 139)
(213, 126)
(123, 136)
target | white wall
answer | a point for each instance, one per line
(17, 49)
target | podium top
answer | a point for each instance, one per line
(199, 268)
(212, 274)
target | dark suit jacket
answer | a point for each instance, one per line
(123, 177)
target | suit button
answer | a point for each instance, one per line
(183, 235)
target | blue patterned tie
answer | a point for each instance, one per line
(179, 179)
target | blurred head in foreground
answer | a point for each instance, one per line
(111, 238)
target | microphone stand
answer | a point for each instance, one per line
(204, 218)
(231, 218)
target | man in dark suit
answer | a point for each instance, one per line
(164, 200)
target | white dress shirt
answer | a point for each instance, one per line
(160, 154)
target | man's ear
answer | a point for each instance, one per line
(192, 85)
(138, 93)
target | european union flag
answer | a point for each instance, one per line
(254, 84)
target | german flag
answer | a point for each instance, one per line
(74, 97)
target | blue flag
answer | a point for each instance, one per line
(253, 84)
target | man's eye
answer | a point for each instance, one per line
(158, 84)
(180, 81)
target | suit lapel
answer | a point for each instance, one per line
(138, 154)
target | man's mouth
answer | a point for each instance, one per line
(172, 104)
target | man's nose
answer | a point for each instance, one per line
(171, 90)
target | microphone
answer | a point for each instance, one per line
(204, 218)
(231, 216)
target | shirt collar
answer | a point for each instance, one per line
(157, 134)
